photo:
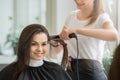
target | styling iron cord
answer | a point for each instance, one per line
(77, 59)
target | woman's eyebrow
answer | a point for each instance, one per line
(33, 41)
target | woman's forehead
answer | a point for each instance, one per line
(40, 37)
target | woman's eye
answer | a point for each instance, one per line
(33, 44)
(44, 44)
(37, 44)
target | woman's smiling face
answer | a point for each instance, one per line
(39, 46)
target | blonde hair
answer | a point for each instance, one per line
(98, 9)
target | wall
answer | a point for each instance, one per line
(63, 8)
(118, 15)
(6, 7)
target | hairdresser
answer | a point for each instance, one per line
(93, 28)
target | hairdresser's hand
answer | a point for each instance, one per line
(65, 34)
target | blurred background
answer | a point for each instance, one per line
(16, 14)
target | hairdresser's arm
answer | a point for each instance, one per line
(107, 32)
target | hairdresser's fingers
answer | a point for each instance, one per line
(65, 37)
(64, 34)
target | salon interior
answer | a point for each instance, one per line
(16, 14)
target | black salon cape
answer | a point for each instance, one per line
(48, 71)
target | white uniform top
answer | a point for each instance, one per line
(89, 47)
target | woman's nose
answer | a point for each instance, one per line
(39, 48)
